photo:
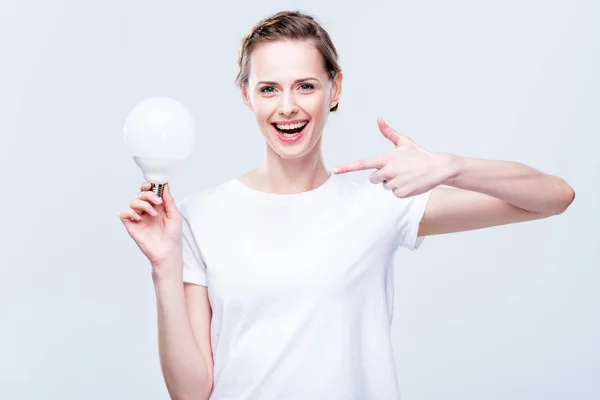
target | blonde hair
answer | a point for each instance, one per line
(288, 25)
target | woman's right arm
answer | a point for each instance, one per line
(184, 338)
(184, 313)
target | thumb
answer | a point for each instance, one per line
(388, 132)
(396, 138)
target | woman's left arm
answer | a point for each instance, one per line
(485, 192)
(490, 193)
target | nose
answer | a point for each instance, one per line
(287, 105)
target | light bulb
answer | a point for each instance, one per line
(160, 133)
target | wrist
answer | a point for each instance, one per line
(169, 270)
(452, 166)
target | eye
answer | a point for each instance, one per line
(307, 86)
(267, 89)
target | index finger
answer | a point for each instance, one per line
(146, 186)
(359, 165)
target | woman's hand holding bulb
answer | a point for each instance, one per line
(155, 226)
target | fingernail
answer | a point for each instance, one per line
(153, 212)
(157, 199)
(336, 170)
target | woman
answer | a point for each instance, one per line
(286, 290)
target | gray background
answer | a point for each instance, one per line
(503, 313)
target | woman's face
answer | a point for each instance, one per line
(290, 94)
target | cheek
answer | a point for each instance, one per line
(263, 107)
(315, 104)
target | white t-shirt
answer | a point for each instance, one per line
(301, 287)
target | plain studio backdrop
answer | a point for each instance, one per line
(503, 313)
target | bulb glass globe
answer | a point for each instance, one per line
(160, 133)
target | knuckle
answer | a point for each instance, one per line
(399, 192)
(388, 173)
(152, 198)
(137, 204)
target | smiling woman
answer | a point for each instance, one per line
(288, 288)
(287, 84)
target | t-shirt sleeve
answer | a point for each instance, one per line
(194, 268)
(403, 214)
(409, 225)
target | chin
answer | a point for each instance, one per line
(290, 154)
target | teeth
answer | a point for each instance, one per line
(292, 126)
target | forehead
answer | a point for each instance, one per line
(282, 61)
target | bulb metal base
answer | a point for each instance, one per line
(158, 189)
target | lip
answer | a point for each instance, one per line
(290, 139)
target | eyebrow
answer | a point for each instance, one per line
(296, 81)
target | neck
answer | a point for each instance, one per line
(290, 176)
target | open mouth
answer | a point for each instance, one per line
(290, 130)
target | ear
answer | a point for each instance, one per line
(246, 98)
(336, 90)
